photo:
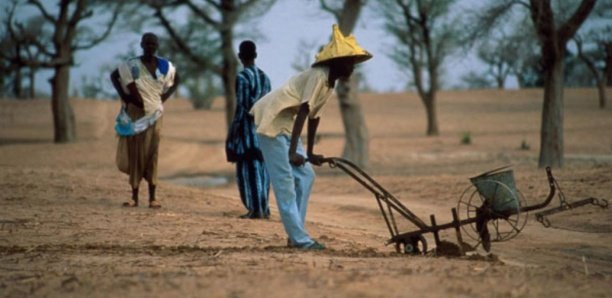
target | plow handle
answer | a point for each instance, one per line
(551, 179)
(551, 193)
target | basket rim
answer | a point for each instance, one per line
(494, 171)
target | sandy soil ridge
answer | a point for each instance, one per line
(63, 232)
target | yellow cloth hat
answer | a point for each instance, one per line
(340, 47)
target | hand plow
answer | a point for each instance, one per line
(491, 209)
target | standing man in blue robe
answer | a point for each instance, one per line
(242, 145)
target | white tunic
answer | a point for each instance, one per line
(150, 88)
(275, 112)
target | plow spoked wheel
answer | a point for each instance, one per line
(500, 229)
(416, 246)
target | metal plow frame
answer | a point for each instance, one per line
(414, 242)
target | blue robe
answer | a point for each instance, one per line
(242, 146)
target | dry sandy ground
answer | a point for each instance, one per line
(63, 232)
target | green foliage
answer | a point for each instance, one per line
(202, 90)
(198, 39)
(200, 81)
(474, 80)
(466, 138)
(426, 34)
(99, 86)
(525, 145)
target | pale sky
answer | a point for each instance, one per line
(287, 24)
(283, 28)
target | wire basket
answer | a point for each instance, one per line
(498, 189)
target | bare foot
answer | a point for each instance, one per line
(154, 204)
(130, 204)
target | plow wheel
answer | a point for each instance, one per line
(416, 245)
(490, 225)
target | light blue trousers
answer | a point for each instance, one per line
(291, 185)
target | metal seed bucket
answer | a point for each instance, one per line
(499, 189)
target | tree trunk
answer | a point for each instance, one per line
(32, 83)
(356, 139)
(551, 134)
(500, 83)
(600, 78)
(601, 87)
(63, 116)
(429, 101)
(608, 67)
(521, 81)
(228, 75)
(500, 77)
(17, 84)
(553, 43)
(356, 146)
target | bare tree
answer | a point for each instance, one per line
(553, 41)
(10, 51)
(554, 26)
(602, 14)
(526, 64)
(303, 59)
(202, 84)
(512, 50)
(69, 35)
(594, 48)
(221, 16)
(608, 64)
(356, 148)
(17, 49)
(474, 80)
(512, 47)
(499, 55)
(426, 35)
(590, 59)
(34, 27)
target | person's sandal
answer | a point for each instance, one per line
(246, 215)
(314, 246)
(154, 204)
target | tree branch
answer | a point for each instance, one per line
(106, 33)
(523, 3)
(589, 63)
(248, 4)
(42, 10)
(413, 47)
(567, 30)
(543, 22)
(80, 14)
(60, 24)
(9, 22)
(213, 3)
(327, 8)
(202, 14)
(21, 38)
(71, 30)
(34, 41)
(48, 64)
(406, 10)
(181, 43)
